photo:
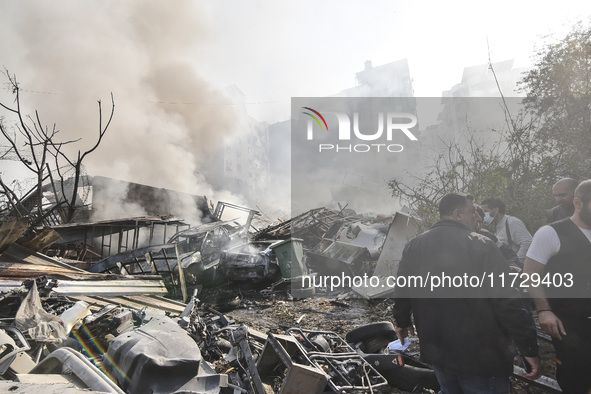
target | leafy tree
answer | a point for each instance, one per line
(513, 170)
(548, 139)
(558, 91)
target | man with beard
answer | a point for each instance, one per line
(558, 265)
(564, 192)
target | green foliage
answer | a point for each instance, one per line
(558, 91)
(550, 138)
(511, 174)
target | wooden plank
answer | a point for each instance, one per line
(150, 260)
(11, 230)
(181, 275)
(42, 240)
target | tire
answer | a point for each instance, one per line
(375, 345)
(384, 329)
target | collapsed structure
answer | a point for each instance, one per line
(115, 305)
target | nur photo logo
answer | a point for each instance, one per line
(315, 118)
(374, 127)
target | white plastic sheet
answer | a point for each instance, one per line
(41, 326)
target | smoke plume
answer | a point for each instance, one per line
(169, 123)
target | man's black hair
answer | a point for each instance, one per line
(480, 211)
(452, 201)
(493, 203)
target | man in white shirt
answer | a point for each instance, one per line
(558, 265)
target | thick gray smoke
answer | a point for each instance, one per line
(169, 122)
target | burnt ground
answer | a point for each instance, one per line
(338, 314)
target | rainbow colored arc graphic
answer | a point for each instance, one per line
(315, 118)
(96, 356)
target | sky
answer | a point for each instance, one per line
(274, 50)
(168, 64)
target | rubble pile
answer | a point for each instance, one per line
(132, 320)
(117, 348)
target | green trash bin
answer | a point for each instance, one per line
(290, 257)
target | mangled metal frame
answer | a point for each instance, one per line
(328, 352)
(96, 240)
(153, 260)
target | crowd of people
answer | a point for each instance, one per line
(472, 341)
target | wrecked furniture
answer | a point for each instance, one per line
(221, 206)
(348, 371)
(276, 366)
(334, 257)
(338, 242)
(328, 363)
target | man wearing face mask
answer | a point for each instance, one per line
(562, 251)
(510, 256)
(508, 229)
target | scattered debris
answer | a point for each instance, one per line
(123, 316)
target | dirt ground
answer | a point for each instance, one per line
(338, 314)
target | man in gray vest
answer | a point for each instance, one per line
(559, 267)
(564, 192)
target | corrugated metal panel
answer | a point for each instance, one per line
(110, 287)
(7, 285)
(133, 302)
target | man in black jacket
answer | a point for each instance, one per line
(467, 330)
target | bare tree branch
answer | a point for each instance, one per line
(39, 142)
